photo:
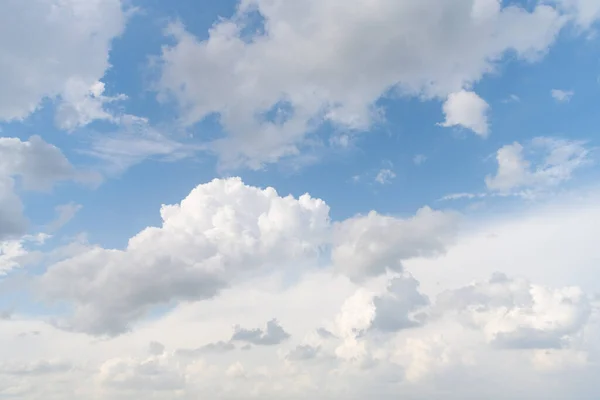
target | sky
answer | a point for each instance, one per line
(269, 199)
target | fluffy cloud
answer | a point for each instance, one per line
(584, 12)
(513, 313)
(468, 110)
(556, 161)
(367, 246)
(55, 49)
(225, 232)
(268, 101)
(396, 308)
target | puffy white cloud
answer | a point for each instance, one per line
(269, 101)
(562, 96)
(514, 313)
(468, 110)
(222, 232)
(584, 12)
(478, 335)
(15, 253)
(55, 49)
(559, 159)
(225, 232)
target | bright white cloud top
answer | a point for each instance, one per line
(270, 199)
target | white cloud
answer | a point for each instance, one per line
(50, 48)
(535, 326)
(81, 104)
(417, 49)
(134, 141)
(468, 110)
(224, 233)
(584, 12)
(562, 96)
(39, 166)
(558, 160)
(385, 176)
(15, 253)
(514, 313)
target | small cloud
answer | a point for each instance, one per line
(513, 98)
(562, 96)
(385, 176)
(468, 110)
(419, 159)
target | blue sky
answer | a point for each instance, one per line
(417, 129)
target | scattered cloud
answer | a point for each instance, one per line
(245, 79)
(468, 110)
(559, 159)
(562, 96)
(39, 166)
(385, 176)
(224, 233)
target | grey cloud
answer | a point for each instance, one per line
(273, 335)
(39, 166)
(303, 353)
(395, 309)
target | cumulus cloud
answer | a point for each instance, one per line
(468, 110)
(424, 49)
(225, 232)
(370, 245)
(396, 308)
(57, 50)
(347, 340)
(513, 313)
(557, 159)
